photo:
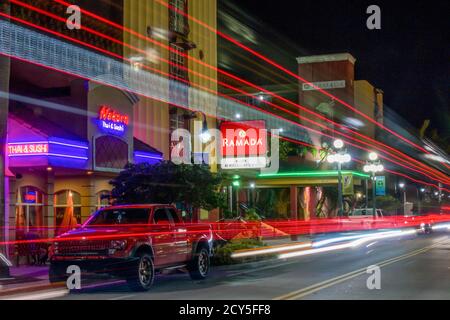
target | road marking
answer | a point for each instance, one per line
(298, 294)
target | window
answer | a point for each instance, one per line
(29, 217)
(177, 62)
(103, 199)
(122, 216)
(173, 215)
(161, 216)
(178, 22)
(110, 152)
(67, 206)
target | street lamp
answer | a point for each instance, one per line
(339, 157)
(373, 165)
(402, 187)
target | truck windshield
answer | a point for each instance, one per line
(120, 216)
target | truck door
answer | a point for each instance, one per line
(181, 243)
(163, 238)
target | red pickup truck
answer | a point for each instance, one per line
(133, 242)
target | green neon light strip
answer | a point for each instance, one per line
(311, 174)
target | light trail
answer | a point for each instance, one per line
(260, 56)
(351, 244)
(307, 128)
(248, 83)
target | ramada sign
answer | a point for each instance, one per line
(112, 121)
(244, 144)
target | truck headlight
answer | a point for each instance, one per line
(118, 244)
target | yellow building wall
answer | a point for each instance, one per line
(151, 116)
(365, 102)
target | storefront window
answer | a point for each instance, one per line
(29, 217)
(67, 208)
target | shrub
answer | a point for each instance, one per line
(222, 255)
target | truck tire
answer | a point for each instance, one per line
(141, 274)
(57, 273)
(199, 266)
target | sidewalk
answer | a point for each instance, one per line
(25, 279)
(285, 240)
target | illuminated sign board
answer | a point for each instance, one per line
(27, 148)
(31, 197)
(112, 121)
(45, 151)
(244, 144)
(246, 138)
(380, 185)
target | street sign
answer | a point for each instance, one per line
(380, 183)
(337, 84)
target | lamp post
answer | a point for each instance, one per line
(401, 185)
(339, 157)
(205, 135)
(373, 165)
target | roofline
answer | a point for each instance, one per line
(326, 58)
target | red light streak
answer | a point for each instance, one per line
(432, 171)
(118, 56)
(260, 56)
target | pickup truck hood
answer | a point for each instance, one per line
(103, 232)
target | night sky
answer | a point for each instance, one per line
(409, 58)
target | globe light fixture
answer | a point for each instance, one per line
(401, 185)
(373, 156)
(338, 144)
(205, 136)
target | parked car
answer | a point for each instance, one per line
(365, 213)
(134, 242)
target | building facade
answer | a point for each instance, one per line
(68, 137)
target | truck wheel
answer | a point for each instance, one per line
(57, 273)
(199, 266)
(142, 274)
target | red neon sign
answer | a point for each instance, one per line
(245, 138)
(108, 114)
(27, 148)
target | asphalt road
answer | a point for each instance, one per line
(416, 267)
